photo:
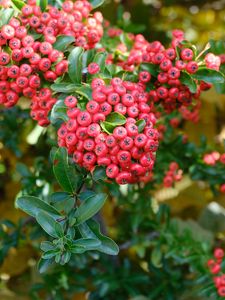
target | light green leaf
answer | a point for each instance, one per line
(65, 87)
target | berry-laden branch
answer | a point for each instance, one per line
(107, 95)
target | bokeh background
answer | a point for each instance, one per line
(202, 21)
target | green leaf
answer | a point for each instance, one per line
(187, 80)
(5, 16)
(18, 4)
(59, 111)
(47, 246)
(33, 205)
(50, 225)
(91, 229)
(86, 194)
(151, 68)
(50, 254)
(65, 174)
(65, 87)
(99, 173)
(107, 127)
(75, 64)
(100, 60)
(85, 91)
(96, 3)
(44, 265)
(116, 119)
(89, 207)
(141, 125)
(43, 4)
(209, 75)
(86, 243)
(62, 42)
(88, 57)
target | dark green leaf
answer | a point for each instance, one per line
(62, 42)
(44, 264)
(100, 60)
(116, 119)
(59, 112)
(75, 64)
(85, 91)
(99, 173)
(141, 125)
(85, 195)
(96, 3)
(89, 207)
(151, 68)
(91, 229)
(187, 80)
(88, 57)
(50, 225)
(65, 87)
(65, 174)
(33, 205)
(209, 75)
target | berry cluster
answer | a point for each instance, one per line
(127, 152)
(25, 64)
(172, 175)
(73, 20)
(169, 65)
(214, 266)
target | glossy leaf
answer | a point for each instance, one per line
(187, 80)
(91, 229)
(151, 68)
(59, 112)
(33, 205)
(62, 42)
(100, 60)
(18, 4)
(85, 244)
(65, 87)
(85, 91)
(50, 225)
(65, 174)
(209, 75)
(43, 4)
(75, 64)
(107, 127)
(141, 125)
(96, 3)
(99, 173)
(89, 207)
(116, 119)
(47, 246)
(6, 15)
